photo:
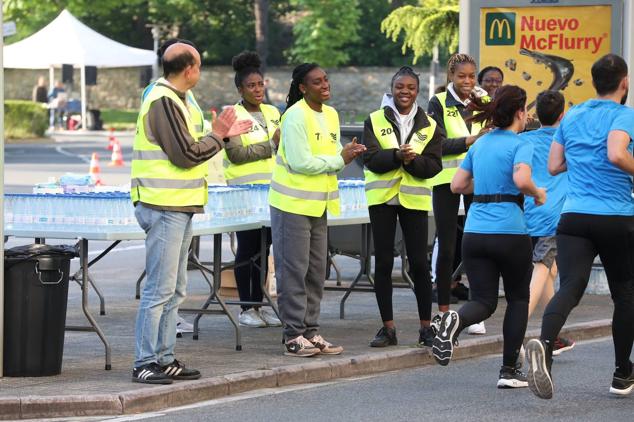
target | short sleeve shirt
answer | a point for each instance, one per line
(491, 160)
(595, 185)
(543, 220)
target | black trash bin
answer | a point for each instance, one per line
(35, 298)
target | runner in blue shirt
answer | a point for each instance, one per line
(497, 170)
(594, 145)
(542, 221)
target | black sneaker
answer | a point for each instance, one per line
(511, 377)
(150, 374)
(178, 371)
(622, 385)
(444, 342)
(384, 337)
(426, 336)
(540, 381)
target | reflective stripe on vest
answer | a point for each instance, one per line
(413, 192)
(154, 179)
(307, 194)
(455, 127)
(255, 172)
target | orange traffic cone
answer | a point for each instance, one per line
(111, 140)
(94, 169)
(117, 158)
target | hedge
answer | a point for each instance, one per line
(25, 119)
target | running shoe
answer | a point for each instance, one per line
(251, 318)
(178, 371)
(150, 373)
(300, 347)
(539, 379)
(384, 337)
(182, 326)
(270, 318)
(511, 377)
(622, 385)
(477, 329)
(443, 344)
(325, 347)
(426, 337)
(561, 345)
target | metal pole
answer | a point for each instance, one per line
(465, 30)
(83, 97)
(433, 71)
(628, 43)
(2, 191)
(156, 35)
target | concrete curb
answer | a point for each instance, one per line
(183, 393)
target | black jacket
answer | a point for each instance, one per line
(450, 146)
(378, 160)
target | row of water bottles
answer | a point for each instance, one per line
(226, 204)
(352, 196)
(83, 212)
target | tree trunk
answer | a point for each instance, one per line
(261, 10)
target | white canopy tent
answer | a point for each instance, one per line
(68, 41)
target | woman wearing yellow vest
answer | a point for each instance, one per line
(248, 159)
(450, 109)
(403, 153)
(304, 186)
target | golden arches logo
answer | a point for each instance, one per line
(502, 26)
(499, 29)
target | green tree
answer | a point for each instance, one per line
(121, 20)
(323, 29)
(433, 23)
(372, 48)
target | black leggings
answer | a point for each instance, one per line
(446, 205)
(486, 257)
(248, 275)
(414, 224)
(580, 237)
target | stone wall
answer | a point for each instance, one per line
(356, 91)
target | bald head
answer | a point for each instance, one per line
(178, 57)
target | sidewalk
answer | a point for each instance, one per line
(84, 388)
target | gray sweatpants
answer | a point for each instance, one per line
(300, 249)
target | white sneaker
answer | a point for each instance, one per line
(251, 318)
(270, 318)
(477, 329)
(182, 326)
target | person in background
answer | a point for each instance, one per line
(167, 187)
(490, 79)
(303, 188)
(497, 171)
(248, 159)
(40, 94)
(57, 100)
(451, 111)
(541, 221)
(403, 152)
(593, 144)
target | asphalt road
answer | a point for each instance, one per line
(29, 163)
(463, 391)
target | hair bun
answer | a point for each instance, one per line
(246, 60)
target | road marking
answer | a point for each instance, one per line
(83, 157)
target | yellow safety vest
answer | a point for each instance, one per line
(306, 194)
(455, 127)
(255, 172)
(413, 193)
(154, 179)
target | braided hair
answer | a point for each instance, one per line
(299, 74)
(245, 64)
(457, 59)
(405, 71)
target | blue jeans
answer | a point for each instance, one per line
(168, 236)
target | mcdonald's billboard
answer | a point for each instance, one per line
(542, 48)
